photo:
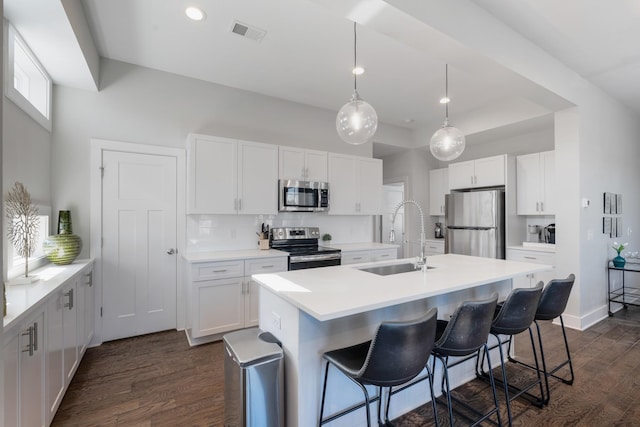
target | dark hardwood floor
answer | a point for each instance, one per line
(158, 380)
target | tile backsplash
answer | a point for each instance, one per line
(234, 232)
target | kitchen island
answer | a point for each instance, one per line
(316, 310)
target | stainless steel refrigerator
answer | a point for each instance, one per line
(475, 223)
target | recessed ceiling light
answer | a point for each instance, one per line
(195, 13)
(357, 71)
(444, 100)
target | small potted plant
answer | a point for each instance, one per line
(619, 261)
(326, 238)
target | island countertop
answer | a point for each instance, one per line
(333, 292)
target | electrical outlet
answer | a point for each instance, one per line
(276, 321)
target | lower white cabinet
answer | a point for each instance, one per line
(223, 295)
(434, 247)
(24, 368)
(43, 353)
(536, 257)
(370, 255)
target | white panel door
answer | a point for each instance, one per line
(257, 178)
(316, 165)
(139, 237)
(343, 185)
(489, 171)
(548, 160)
(291, 164)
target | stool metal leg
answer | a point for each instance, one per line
(324, 392)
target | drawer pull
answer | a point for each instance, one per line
(267, 266)
(220, 271)
(384, 255)
(530, 257)
(355, 258)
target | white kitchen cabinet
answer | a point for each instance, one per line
(24, 373)
(536, 257)
(369, 255)
(355, 185)
(223, 296)
(355, 257)
(535, 175)
(485, 172)
(438, 188)
(227, 176)
(86, 310)
(62, 342)
(384, 254)
(434, 247)
(251, 287)
(300, 164)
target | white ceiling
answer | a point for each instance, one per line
(307, 53)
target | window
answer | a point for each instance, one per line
(15, 263)
(27, 83)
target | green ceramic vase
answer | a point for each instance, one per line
(64, 247)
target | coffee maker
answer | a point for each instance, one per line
(534, 233)
(438, 231)
(550, 234)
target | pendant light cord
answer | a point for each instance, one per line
(446, 91)
(355, 61)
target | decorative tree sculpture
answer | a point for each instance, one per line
(22, 222)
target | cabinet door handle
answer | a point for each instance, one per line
(69, 303)
(89, 279)
(35, 336)
(541, 206)
(29, 348)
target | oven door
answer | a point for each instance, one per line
(300, 262)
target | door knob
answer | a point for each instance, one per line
(171, 251)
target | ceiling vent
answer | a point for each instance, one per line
(247, 31)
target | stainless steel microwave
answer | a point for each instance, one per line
(303, 196)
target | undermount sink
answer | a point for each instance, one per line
(387, 270)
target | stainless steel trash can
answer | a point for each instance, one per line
(254, 380)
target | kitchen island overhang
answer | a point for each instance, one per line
(316, 310)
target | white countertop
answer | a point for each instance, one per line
(23, 299)
(366, 246)
(233, 255)
(333, 292)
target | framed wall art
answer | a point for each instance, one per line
(607, 203)
(606, 225)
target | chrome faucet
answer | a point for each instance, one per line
(422, 260)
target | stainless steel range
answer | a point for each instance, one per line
(302, 245)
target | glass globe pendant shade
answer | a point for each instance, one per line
(447, 143)
(356, 121)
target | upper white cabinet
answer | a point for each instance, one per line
(227, 176)
(486, 172)
(535, 174)
(301, 164)
(438, 188)
(355, 185)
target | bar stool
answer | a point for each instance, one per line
(513, 316)
(396, 355)
(552, 304)
(465, 335)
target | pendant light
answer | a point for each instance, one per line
(357, 121)
(448, 142)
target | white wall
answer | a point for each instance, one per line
(141, 105)
(414, 164)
